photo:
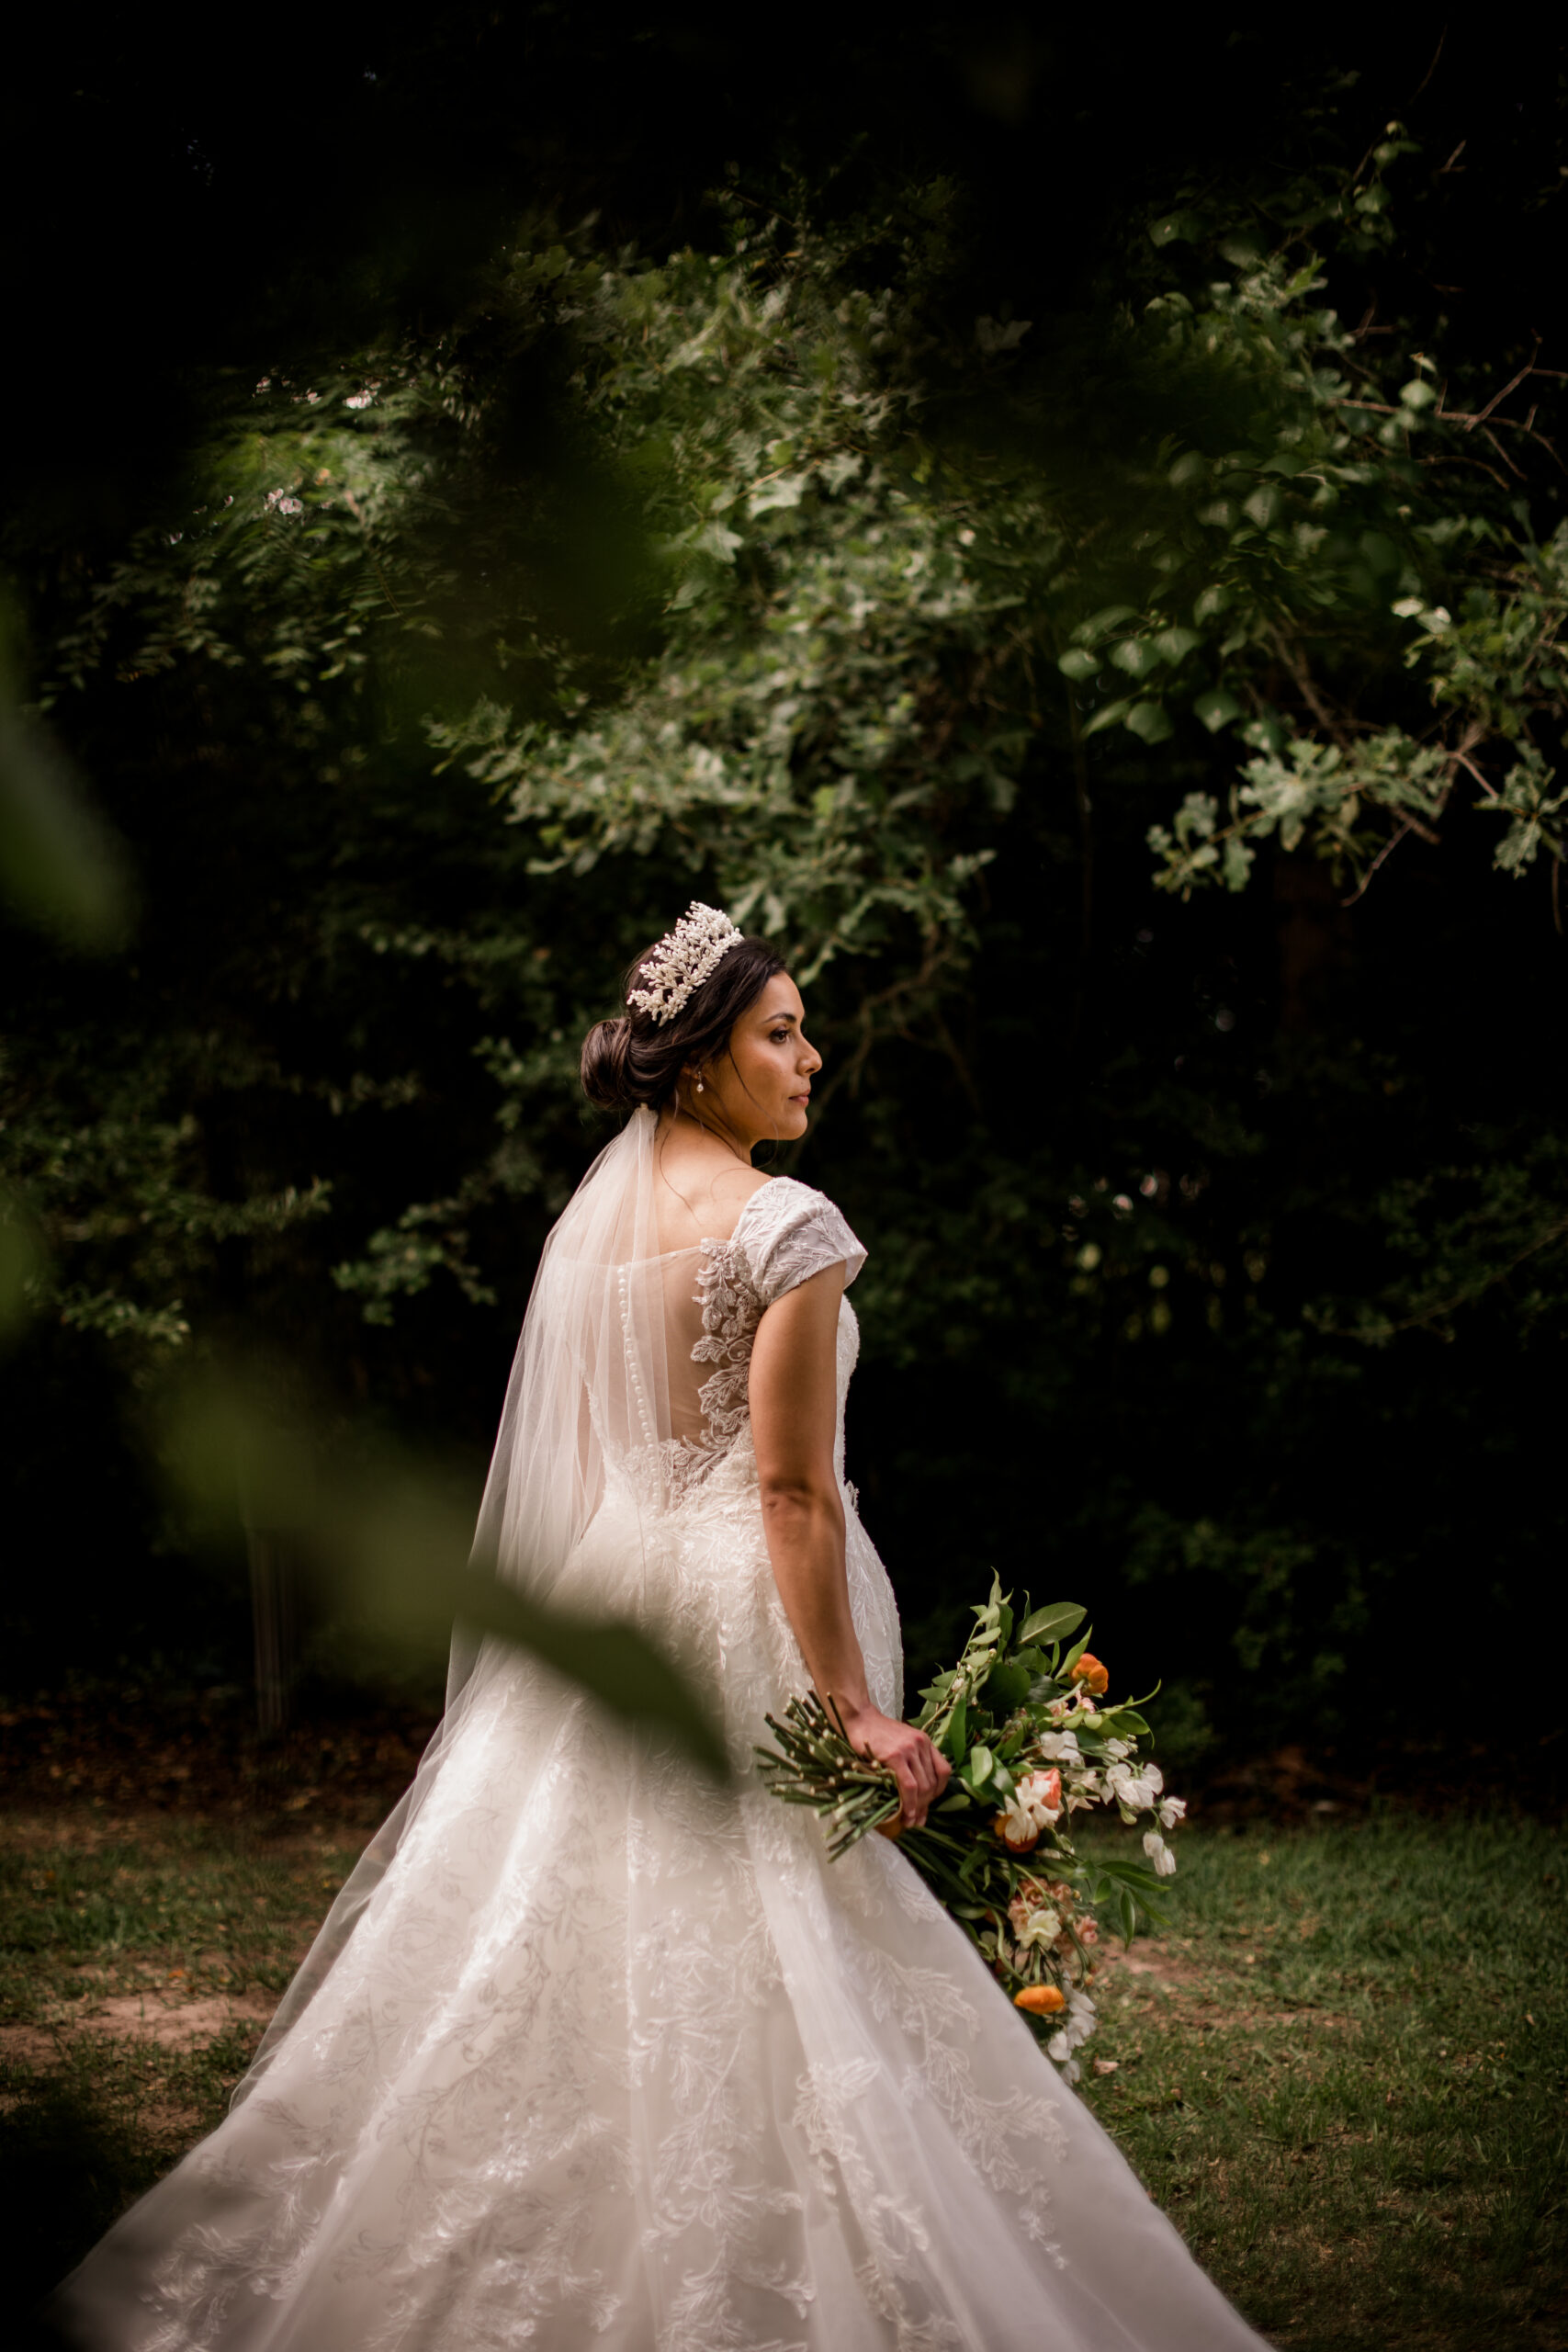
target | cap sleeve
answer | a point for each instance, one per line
(788, 1233)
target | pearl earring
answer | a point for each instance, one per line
(699, 1086)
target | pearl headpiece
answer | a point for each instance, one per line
(683, 960)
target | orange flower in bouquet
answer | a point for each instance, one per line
(1040, 2000)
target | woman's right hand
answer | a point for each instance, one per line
(920, 1770)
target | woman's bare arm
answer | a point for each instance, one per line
(793, 1414)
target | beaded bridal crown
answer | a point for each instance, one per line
(683, 960)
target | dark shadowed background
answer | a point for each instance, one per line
(476, 479)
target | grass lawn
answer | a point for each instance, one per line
(139, 1961)
(1341, 2071)
(1341, 2068)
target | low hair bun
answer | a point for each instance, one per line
(606, 1078)
(636, 1059)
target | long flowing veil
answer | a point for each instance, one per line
(588, 1407)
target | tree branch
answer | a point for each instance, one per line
(1553, 1233)
(1389, 846)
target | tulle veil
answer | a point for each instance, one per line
(587, 1407)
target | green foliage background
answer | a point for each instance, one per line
(1121, 665)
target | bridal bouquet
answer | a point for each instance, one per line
(1032, 1741)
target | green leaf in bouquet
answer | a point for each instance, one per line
(1135, 1875)
(1065, 1671)
(1125, 1719)
(1129, 1886)
(1008, 1749)
(1052, 1624)
(1007, 1685)
(952, 1742)
(977, 1771)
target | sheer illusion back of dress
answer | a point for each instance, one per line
(591, 2053)
(631, 1372)
(715, 1291)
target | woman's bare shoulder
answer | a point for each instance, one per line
(702, 1197)
(732, 1196)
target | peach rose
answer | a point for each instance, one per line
(1040, 2000)
(1092, 1675)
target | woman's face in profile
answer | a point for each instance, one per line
(762, 1086)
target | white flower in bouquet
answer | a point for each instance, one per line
(1035, 1806)
(1072, 2034)
(1059, 1747)
(1041, 1929)
(1123, 1783)
(1172, 1811)
(1075, 2029)
(1160, 1854)
(1134, 1792)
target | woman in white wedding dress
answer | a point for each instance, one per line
(590, 2052)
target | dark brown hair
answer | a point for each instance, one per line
(634, 1060)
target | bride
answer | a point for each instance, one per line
(590, 2052)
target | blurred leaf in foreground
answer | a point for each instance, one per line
(61, 868)
(394, 1545)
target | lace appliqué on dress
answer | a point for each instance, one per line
(785, 1234)
(788, 1233)
(731, 1312)
(889, 2229)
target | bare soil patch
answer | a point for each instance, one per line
(1165, 1968)
(1153, 1970)
(161, 2021)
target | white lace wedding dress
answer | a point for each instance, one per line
(611, 2059)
